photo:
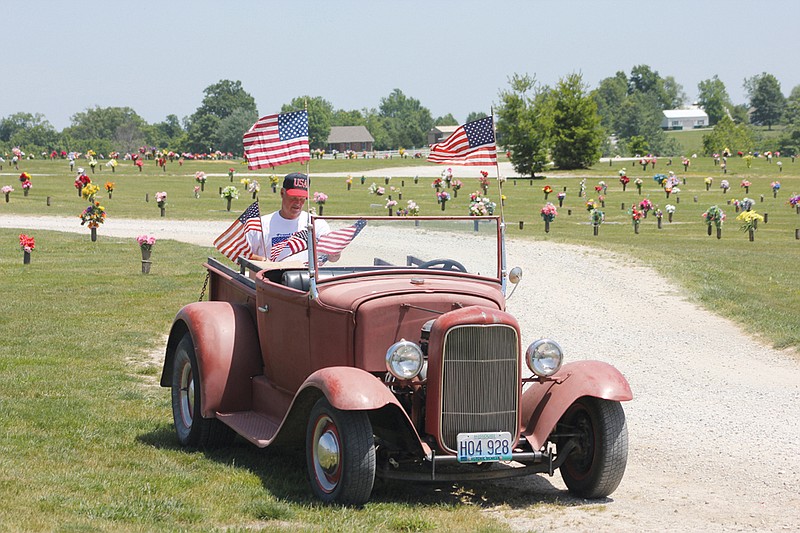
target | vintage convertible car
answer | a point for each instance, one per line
(396, 360)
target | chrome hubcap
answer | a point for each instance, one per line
(326, 454)
(187, 395)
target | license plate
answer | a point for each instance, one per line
(484, 447)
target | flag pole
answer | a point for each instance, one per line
(503, 267)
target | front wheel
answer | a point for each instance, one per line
(193, 430)
(595, 467)
(340, 454)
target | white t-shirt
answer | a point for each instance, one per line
(277, 229)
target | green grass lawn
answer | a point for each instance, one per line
(87, 441)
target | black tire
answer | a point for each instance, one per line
(193, 430)
(595, 468)
(340, 454)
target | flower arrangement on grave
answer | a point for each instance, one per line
(245, 183)
(390, 205)
(645, 206)
(548, 214)
(596, 217)
(437, 184)
(685, 162)
(197, 191)
(27, 243)
(724, 185)
(139, 163)
(672, 180)
(484, 182)
(230, 193)
(109, 188)
(320, 198)
(624, 179)
(93, 215)
(747, 204)
(374, 189)
(349, 181)
(480, 206)
(638, 182)
(82, 181)
(7, 190)
(547, 190)
(112, 164)
(590, 204)
(412, 209)
(24, 177)
(89, 192)
(708, 181)
(146, 242)
(745, 184)
(661, 179)
(443, 197)
(636, 218)
(748, 160)
(794, 201)
(253, 188)
(230, 173)
(161, 199)
(447, 175)
(273, 182)
(456, 185)
(714, 215)
(749, 221)
(561, 197)
(670, 209)
(26, 186)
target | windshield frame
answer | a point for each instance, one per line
(500, 276)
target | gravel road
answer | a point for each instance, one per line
(715, 423)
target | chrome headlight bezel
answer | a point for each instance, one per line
(404, 360)
(544, 357)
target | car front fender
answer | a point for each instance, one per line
(227, 350)
(351, 389)
(543, 403)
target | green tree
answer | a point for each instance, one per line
(320, 113)
(223, 98)
(32, 132)
(408, 122)
(447, 120)
(201, 135)
(106, 129)
(609, 96)
(476, 115)
(713, 98)
(766, 99)
(378, 128)
(791, 114)
(19, 122)
(341, 117)
(519, 127)
(727, 135)
(232, 128)
(576, 133)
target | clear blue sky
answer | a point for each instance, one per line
(60, 58)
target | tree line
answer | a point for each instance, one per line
(569, 123)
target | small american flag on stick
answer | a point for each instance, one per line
(232, 242)
(276, 140)
(471, 144)
(294, 244)
(334, 242)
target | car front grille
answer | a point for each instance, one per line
(480, 381)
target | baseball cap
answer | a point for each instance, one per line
(296, 184)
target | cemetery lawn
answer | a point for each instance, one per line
(88, 442)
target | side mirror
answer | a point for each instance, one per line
(515, 275)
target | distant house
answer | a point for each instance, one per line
(439, 133)
(684, 119)
(344, 138)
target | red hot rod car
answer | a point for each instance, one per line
(397, 360)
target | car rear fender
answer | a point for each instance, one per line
(543, 403)
(227, 350)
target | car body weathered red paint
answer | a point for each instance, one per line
(401, 367)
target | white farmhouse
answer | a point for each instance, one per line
(684, 119)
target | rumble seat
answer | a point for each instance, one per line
(296, 279)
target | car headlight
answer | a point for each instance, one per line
(404, 359)
(544, 357)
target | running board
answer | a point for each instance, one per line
(253, 426)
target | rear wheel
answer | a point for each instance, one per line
(340, 454)
(193, 430)
(595, 467)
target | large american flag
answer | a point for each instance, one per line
(471, 144)
(335, 241)
(276, 140)
(294, 244)
(232, 242)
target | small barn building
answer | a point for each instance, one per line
(684, 119)
(439, 133)
(344, 138)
